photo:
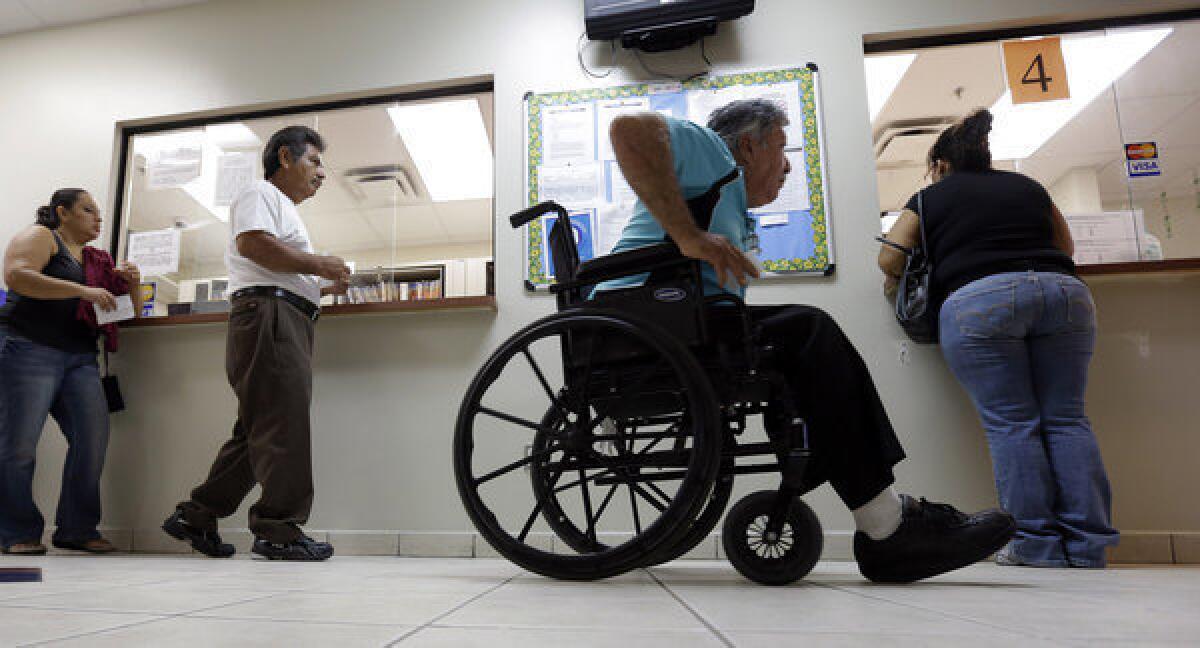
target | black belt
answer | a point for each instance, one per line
(310, 310)
(1035, 265)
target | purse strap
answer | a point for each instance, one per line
(921, 226)
(895, 246)
(906, 251)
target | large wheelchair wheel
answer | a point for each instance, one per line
(714, 508)
(579, 540)
(768, 558)
(589, 424)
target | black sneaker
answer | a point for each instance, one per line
(303, 548)
(206, 542)
(932, 539)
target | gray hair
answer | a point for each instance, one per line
(753, 117)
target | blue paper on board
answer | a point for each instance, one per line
(793, 240)
(583, 225)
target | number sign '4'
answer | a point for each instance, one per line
(1036, 70)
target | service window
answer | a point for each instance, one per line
(407, 199)
(1107, 120)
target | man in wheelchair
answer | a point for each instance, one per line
(736, 163)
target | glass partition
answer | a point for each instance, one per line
(1120, 155)
(407, 200)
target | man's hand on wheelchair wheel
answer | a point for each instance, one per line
(726, 259)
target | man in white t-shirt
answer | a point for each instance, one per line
(275, 288)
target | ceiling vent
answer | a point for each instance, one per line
(383, 184)
(907, 144)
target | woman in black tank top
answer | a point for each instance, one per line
(1018, 329)
(48, 367)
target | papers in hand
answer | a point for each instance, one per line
(123, 311)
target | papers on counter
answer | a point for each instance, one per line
(123, 311)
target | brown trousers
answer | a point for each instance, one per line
(268, 359)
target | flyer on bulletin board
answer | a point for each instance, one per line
(569, 160)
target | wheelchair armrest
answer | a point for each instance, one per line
(629, 262)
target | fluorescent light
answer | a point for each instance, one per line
(883, 75)
(1094, 63)
(232, 135)
(448, 142)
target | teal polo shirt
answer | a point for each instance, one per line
(701, 159)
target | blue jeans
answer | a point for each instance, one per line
(36, 380)
(1020, 343)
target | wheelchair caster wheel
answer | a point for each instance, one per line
(767, 558)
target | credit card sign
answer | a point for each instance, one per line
(1141, 160)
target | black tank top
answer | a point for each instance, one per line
(52, 322)
(988, 222)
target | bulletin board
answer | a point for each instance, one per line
(569, 159)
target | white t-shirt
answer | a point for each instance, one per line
(263, 207)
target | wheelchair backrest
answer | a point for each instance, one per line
(671, 297)
(565, 253)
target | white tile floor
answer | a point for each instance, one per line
(180, 601)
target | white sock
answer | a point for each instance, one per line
(880, 517)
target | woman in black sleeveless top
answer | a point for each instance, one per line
(48, 367)
(1017, 329)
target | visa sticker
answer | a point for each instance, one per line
(1141, 160)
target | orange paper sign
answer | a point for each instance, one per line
(1036, 70)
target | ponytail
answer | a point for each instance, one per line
(964, 146)
(976, 126)
(47, 215)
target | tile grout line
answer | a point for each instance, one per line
(353, 624)
(456, 608)
(711, 628)
(63, 608)
(571, 628)
(160, 618)
(4, 602)
(45, 642)
(948, 615)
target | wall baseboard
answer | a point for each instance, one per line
(1137, 547)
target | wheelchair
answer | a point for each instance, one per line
(623, 411)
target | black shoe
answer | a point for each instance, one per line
(302, 548)
(206, 542)
(932, 539)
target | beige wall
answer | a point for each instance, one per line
(387, 387)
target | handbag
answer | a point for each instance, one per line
(112, 390)
(915, 311)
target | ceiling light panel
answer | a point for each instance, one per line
(1094, 63)
(884, 73)
(449, 144)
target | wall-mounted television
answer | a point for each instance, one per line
(657, 25)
